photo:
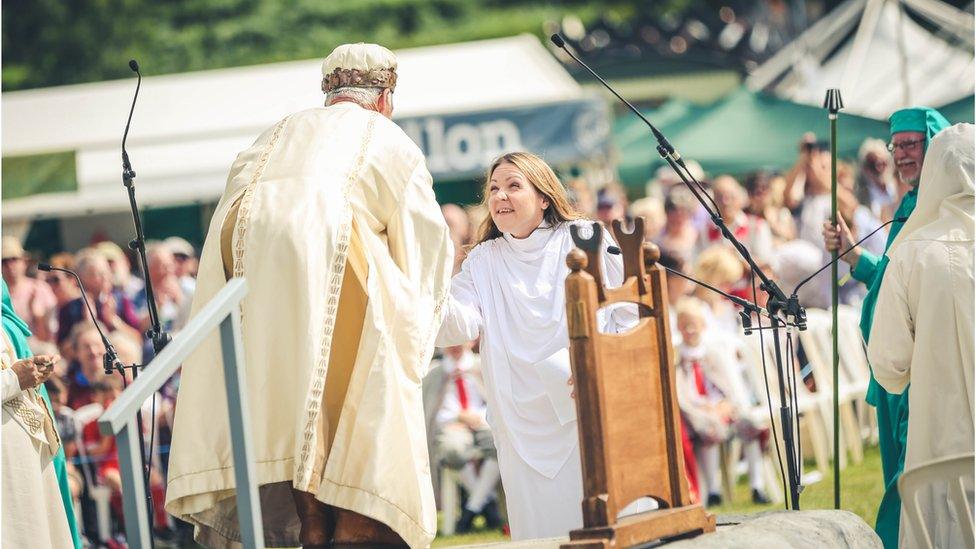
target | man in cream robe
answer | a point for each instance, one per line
(331, 218)
(924, 327)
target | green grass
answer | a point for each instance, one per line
(861, 491)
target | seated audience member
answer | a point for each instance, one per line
(680, 235)
(877, 189)
(111, 306)
(611, 203)
(464, 441)
(652, 210)
(122, 278)
(32, 298)
(87, 366)
(751, 231)
(715, 402)
(678, 288)
(187, 262)
(721, 268)
(766, 203)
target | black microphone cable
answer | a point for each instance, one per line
(845, 252)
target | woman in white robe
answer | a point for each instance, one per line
(924, 326)
(511, 293)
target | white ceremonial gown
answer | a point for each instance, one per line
(511, 292)
(305, 189)
(33, 512)
(924, 326)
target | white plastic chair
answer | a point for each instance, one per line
(954, 472)
(450, 481)
(813, 421)
(818, 345)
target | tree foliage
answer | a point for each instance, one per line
(54, 42)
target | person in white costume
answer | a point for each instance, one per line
(511, 293)
(331, 218)
(924, 328)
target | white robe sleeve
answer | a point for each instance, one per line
(462, 311)
(421, 247)
(892, 333)
(9, 384)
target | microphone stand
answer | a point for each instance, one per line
(112, 364)
(775, 305)
(110, 359)
(155, 333)
(834, 103)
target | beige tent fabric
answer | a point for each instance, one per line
(322, 189)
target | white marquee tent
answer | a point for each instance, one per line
(187, 128)
(889, 62)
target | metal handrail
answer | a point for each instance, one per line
(222, 312)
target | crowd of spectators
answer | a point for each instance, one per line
(778, 216)
(53, 306)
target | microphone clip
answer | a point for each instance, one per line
(795, 311)
(128, 174)
(746, 318)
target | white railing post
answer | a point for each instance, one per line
(248, 503)
(222, 312)
(137, 530)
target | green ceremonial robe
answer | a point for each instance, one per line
(18, 332)
(892, 409)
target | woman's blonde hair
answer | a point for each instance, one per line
(717, 265)
(543, 179)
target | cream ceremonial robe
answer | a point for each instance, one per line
(321, 187)
(924, 326)
(33, 513)
(511, 292)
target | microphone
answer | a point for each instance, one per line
(856, 244)
(127, 173)
(110, 358)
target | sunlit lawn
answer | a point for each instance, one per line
(861, 491)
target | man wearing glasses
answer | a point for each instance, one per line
(911, 131)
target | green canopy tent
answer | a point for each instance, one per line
(960, 110)
(635, 144)
(743, 132)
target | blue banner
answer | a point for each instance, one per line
(463, 145)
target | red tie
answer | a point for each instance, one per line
(699, 377)
(462, 393)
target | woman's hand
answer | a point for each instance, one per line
(572, 392)
(35, 370)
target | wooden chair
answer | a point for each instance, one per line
(629, 422)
